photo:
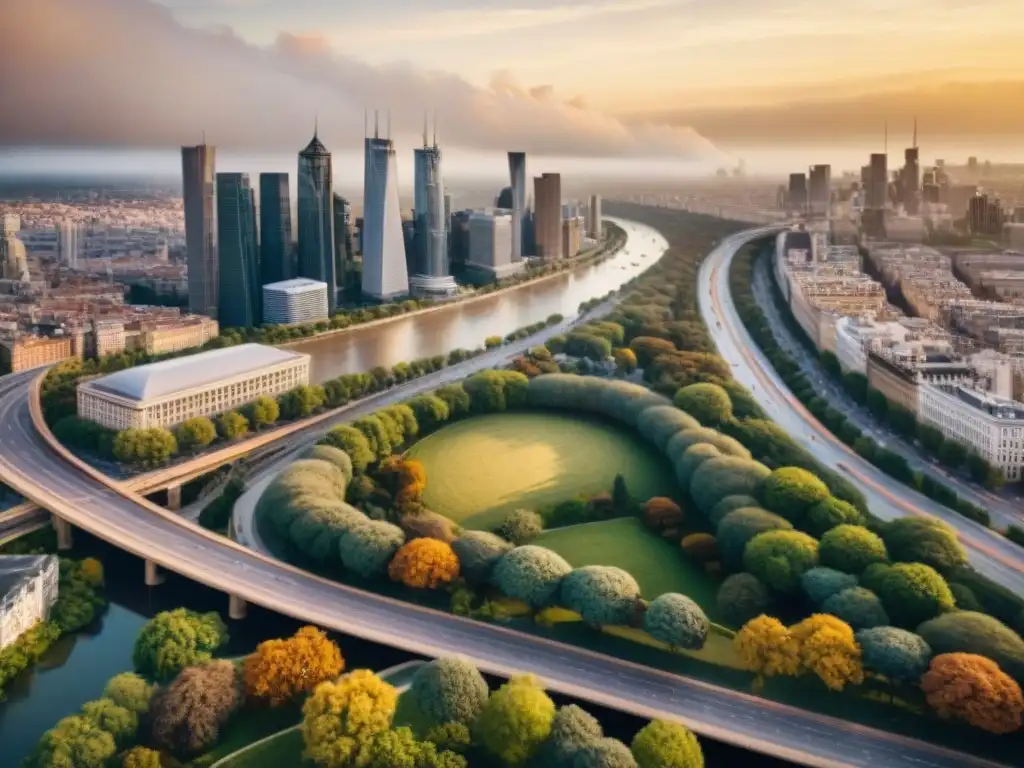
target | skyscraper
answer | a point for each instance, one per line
(69, 242)
(911, 178)
(878, 191)
(384, 270)
(342, 239)
(198, 170)
(517, 173)
(798, 192)
(547, 195)
(431, 274)
(316, 219)
(276, 258)
(820, 193)
(239, 302)
(594, 218)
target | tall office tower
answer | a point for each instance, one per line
(198, 171)
(384, 271)
(448, 210)
(547, 195)
(878, 190)
(505, 200)
(276, 257)
(13, 257)
(570, 237)
(798, 192)
(343, 253)
(517, 173)
(431, 274)
(316, 219)
(595, 221)
(239, 303)
(70, 237)
(911, 178)
(820, 193)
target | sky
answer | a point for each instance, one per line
(685, 81)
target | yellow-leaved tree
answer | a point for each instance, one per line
(424, 564)
(280, 670)
(92, 571)
(766, 647)
(827, 648)
(339, 716)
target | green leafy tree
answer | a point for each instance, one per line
(827, 514)
(516, 720)
(660, 423)
(130, 691)
(952, 454)
(858, 607)
(730, 504)
(449, 691)
(976, 633)
(368, 547)
(676, 620)
(141, 757)
(531, 574)
(263, 412)
(478, 553)
(601, 594)
(339, 716)
(819, 584)
(737, 528)
(451, 737)
(456, 398)
(232, 425)
(741, 597)
(895, 653)
(661, 744)
(604, 753)
(911, 592)
(521, 526)
(377, 434)
(173, 640)
(780, 558)
(571, 729)
(303, 401)
(715, 479)
(353, 442)
(431, 412)
(708, 403)
(119, 722)
(924, 540)
(333, 456)
(851, 549)
(399, 748)
(195, 433)
(691, 459)
(74, 741)
(791, 492)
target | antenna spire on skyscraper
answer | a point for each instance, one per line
(316, 124)
(424, 129)
(389, 125)
(915, 133)
(886, 141)
(435, 129)
(376, 124)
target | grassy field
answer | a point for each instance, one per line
(657, 565)
(482, 468)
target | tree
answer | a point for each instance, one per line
(661, 514)
(354, 443)
(661, 744)
(897, 654)
(740, 598)
(188, 714)
(531, 574)
(715, 479)
(516, 720)
(334, 456)
(148, 447)
(303, 401)
(911, 592)
(708, 403)
(646, 348)
(478, 553)
(338, 716)
(973, 632)
(952, 454)
(982, 472)
(264, 412)
(779, 558)
(424, 564)
(660, 423)
(587, 345)
(119, 722)
(571, 729)
(449, 691)
(279, 671)
(195, 433)
(625, 360)
(827, 514)
(453, 737)
(368, 547)
(74, 741)
(737, 528)
(91, 571)
(604, 753)
(430, 410)
(730, 504)
(521, 526)
(856, 384)
(399, 748)
(601, 594)
(819, 584)
(974, 689)
(173, 640)
(232, 425)
(701, 547)
(858, 607)
(791, 492)
(141, 757)
(827, 648)
(456, 398)
(877, 404)
(766, 647)
(622, 502)
(851, 549)
(130, 691)
(691, 459)
(830, 363)
(924, 540)
(676, 620)
(931, 438)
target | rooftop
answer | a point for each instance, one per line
(15, 569)
(156, 380)
(295, 285)
(999, 407)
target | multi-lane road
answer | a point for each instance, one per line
(30, 464)
(991, 554)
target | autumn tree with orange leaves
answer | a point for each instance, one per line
(280, 670)
(424, 564)
(975, 689)
(767, 647)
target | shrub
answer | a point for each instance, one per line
(75, 740)
(368, 547)
(601, 594)
(858, 607)
(449, 691)
(173, 640)
(691, 459)
(531, 574)
(679, 442)
(456, 398)
(895, 653)
(188, 714)
(334, 456)
(232, 425)
(819, 584)
(677, 621)
(478, 553)
(971, 632)
(728, 476)
(660, 423)
(279, 671)
(827, 514)
(130, 691)
(141, 757)
(354, 443)
(571, 729)
(910, 592)
(973, 689)
(119, 722)
(921, 540)
(741, 597)
(965, 598)
(427, 525)
(661, 744)
(791, 492)
(424, 564)
(604, 753)
(516, 720)
(827, 648)
(194, 433)
(521, 526)
(708, 403)
(661, 514)
(740, 526)
(766, 647)
(339, 716)
(851, 548)
(729, 504)
(780, 558)
(702, 547)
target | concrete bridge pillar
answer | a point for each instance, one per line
(174, 498)
(63, 528)
(153, 576)
(236, 607)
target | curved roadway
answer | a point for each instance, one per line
(991, 554)
(83, 497)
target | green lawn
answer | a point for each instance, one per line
(657, 565)
(481, 468)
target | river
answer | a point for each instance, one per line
(466, 324)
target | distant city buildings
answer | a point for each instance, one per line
(595, 222)
(300, 300)
(277, 257)
(517, 175)
(490, 243)
(344, 253)
(820, 193)
(431, 276)
(69, 243)
(26, 352)
(316, 219)
(239, 283)
(13, 258)
(571, 237)
(198, 180)
(547, 200)
(385, 275)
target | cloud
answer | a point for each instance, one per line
(125, 73)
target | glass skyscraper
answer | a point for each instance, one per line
(198, 171)
(385, 275)
(517, 175)
(239, 293)
(276, 262)
(316, 219)
(431, 225)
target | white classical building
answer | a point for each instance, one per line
(28, 589)
(992, 426)
(299, 300)
(167, 393)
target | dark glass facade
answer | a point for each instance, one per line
(239, 304)
(316, 220)
(276, 253)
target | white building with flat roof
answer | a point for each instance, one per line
(300, 300)
(28, 590)
(990, 425)
(167, 393)
(490, 243)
